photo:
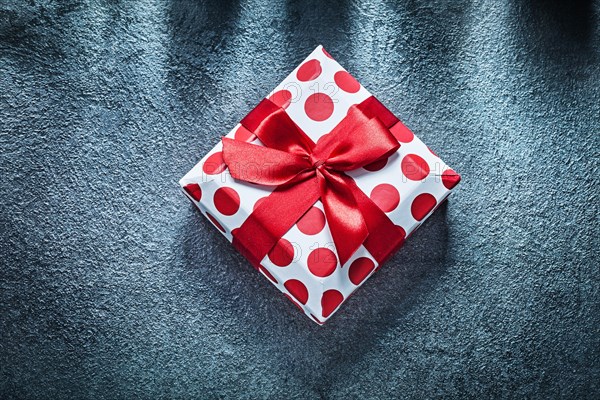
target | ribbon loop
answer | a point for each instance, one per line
(262, 165)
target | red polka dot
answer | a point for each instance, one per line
(322, 262)
(318, 107)
(214, 221)
(402, 133)
(297, 289)
(346, 82)
(360, 269)
(326, 53)
(421, 205)
(282, 253)
(267, 273)
(386, 197)
(227, 201)
(320, 139)
(450, 178)
(258, 203)
(244, 135)
(194, 191)
(414, 167)
(312, 222)
(214, 164)
(316, 320)
(309, 70)
(281, 98)
(330, 301)
(377, 165)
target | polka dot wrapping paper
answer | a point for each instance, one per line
(407, 186)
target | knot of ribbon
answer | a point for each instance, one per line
(303, 172)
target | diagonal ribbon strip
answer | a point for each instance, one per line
(304, 172)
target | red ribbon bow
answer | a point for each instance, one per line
(304, 172)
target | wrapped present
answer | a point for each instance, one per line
(319, 185)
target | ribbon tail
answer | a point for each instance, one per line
(379, 235)
(346, 223)
(385, 237)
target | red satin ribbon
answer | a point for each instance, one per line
(304, 172)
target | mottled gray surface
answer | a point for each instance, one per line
(113, 286)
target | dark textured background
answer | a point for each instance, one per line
(113, 286)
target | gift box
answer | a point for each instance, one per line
(318, 185)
